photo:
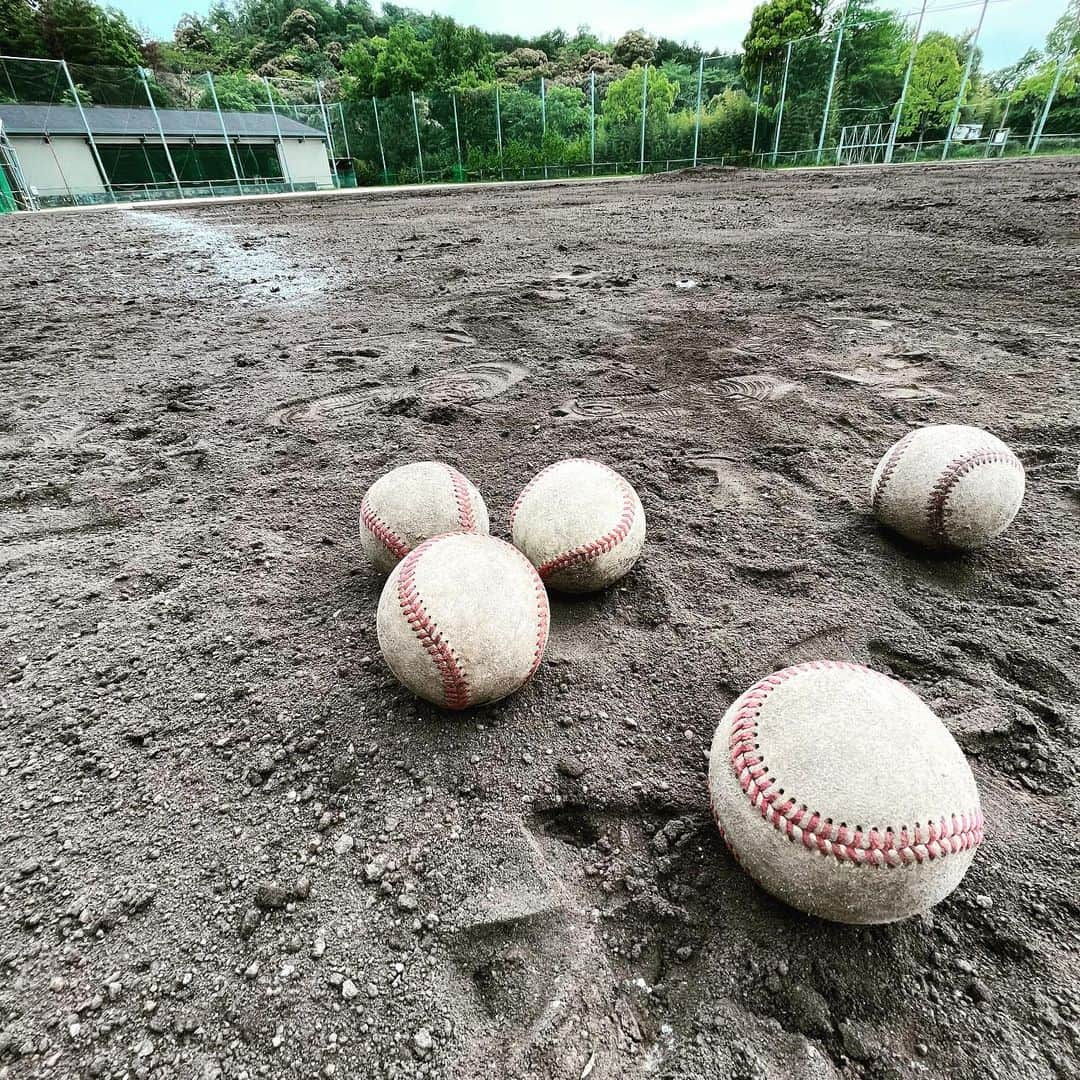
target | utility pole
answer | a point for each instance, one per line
(780, 112)
(757, 109)
(697, 121)
(1049, 101)
(893, 130)
(963, 83)
(161, 132)
(89, 133)
(832, 82)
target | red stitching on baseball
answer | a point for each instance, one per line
(937, 507)
(455, 685)
(876, 846)
(381, 531)
(895, 454)
(600, 546)
(463, 498)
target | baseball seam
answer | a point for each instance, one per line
(454, 681)
(381, 531)
(888, 846)
(594, 548)
(891, 465)
(937, 510)
(463, 498)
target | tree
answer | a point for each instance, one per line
(456, 49)
(621, 110)
(935, 82)
(775, 23)
(82, 33)
(237, 91)
(20, 29)
(634, 47)
(1064, 38)
(395, 64)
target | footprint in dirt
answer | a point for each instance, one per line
(462, 387)
(676, 400)
(894, 377)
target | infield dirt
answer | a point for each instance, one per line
(233, 846)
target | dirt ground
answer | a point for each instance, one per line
(234, 847)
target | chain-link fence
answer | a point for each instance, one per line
(873, 88)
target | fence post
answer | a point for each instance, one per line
(329, 132)
(345, 136)
(543, 125)
(592, 123)
(498, 133)
(416, 128)
(224, 132)
(644, 103)
(457, 135)
(832, 83)
(697, 112)
(780, 111)
(378, 133)
(161, 131)
(757, 108)
(286, 172)
(1049, 102)
(89, 134)
(894, 128)
(963, 82)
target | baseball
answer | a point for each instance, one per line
(842, 794)
(948, 485)
(411, 504)
(463, 620)
(580, 523)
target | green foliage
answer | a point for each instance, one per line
(1064, 37)
(82, 96)
(394, 64)
(20, 29)
(78, 31)
(237, 91)
(773, 24)
(935, 82)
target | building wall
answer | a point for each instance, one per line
(307, 162)
(57, 168)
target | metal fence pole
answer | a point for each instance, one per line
(161, 132)
(832, 84)
(89, 133)
(543, 125)
(757, 108)
(644, 102)
(457, 133)
(894, 128)
(224, 132)
(1049, 102)
(498, 133)
(378, 133)
(329, 132)
(697, 112)
(286, 172)
(416, 128)
(963, 82)
(592, 123)
(345, 134)
(780, 111)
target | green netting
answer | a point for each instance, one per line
(7, 197)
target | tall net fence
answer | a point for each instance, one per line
(872, 86)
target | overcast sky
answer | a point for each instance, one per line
(1011, 26)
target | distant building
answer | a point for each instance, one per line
(54, 155)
